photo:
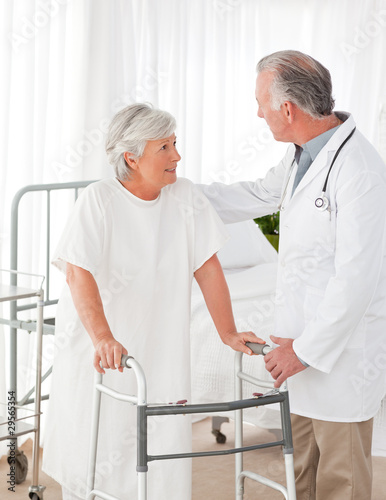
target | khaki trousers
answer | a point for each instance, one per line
(332, 459)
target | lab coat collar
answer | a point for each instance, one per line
(326, 153)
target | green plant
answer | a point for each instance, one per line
(269, 224)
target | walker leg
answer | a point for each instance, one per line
(142, 486)
(290, 475)
(94, 436)
(239, 480)
(288, 450)
(142, 466)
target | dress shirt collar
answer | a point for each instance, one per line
(315, 145)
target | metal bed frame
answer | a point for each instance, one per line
(47, 326)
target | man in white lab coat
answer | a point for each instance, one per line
(330, 325)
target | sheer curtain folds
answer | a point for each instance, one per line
(69, 65)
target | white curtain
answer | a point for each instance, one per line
(69, 65)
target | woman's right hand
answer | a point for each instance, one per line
(108, 352)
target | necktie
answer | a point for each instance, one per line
(303, 165)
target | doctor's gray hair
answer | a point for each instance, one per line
(299, 79)
(129, 131)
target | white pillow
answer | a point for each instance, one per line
(247, 247)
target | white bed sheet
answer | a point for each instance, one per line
(252, 292)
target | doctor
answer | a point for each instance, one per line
(330, 324)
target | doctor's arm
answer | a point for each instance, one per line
(211, 280)
(246, 200)
(88, 303)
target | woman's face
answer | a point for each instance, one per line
(156, 168)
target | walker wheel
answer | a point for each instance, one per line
(220, 437)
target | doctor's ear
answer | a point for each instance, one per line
(288, 109)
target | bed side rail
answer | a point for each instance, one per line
(14, 244)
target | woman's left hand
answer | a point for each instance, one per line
(237, 341)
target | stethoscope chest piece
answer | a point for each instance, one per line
(321, 203)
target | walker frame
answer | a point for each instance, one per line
(144, 411)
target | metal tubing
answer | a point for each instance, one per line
(144, 411)
(289, 492)
(232, 451)
(15, 220)
(100, 494)
(26, 400)
(264, 480)
(288, 446)
(142, 456)
(152, 411)
(290, 476)
(238, 426)
(94, 435)
(39, 346)
(140, 400)
(117, 395)
(286, 423)
(48, 243)
(141, 379)
(13, 368)
(255, 381)
(142, 485)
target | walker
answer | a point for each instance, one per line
(144, 411)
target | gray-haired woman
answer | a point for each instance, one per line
(130, 251)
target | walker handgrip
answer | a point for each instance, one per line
(259, 348)
(124, 358)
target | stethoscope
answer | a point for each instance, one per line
(321, 203)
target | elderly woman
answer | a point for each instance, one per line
(130, 251)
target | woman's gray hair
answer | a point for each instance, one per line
(299, 79)
(129, 131)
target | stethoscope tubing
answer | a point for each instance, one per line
(321, 202)
(336, 156)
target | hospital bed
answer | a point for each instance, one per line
(250, 263)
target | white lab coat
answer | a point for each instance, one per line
(331, 285)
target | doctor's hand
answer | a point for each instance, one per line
(108, 351)
(282, 362)
(237, 341)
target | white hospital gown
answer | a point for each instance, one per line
(142, 255)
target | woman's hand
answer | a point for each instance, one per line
(88, 303)
(237, 341)
(108, 351)
(211, 280)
